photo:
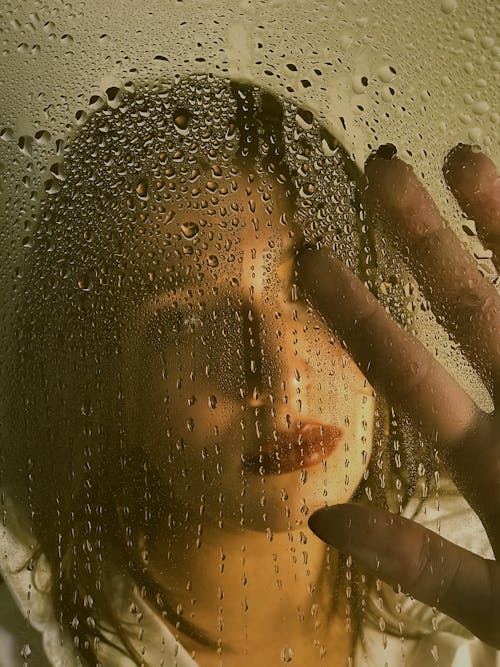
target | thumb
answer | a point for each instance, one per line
(426, 566)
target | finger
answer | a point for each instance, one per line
(475, 183)
(389, 356)
(432, 569)
(462, 299)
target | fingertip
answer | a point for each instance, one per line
(383, 152)
(461, 155)
(320, 522)
(377, 162)
(388, 178)
(315, 522)
(334, 524)
(466, 168)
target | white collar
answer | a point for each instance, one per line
(29, 587)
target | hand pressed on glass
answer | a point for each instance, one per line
(437, 572)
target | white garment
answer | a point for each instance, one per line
(396, 631)
(400, 631)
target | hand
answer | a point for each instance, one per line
(402, 552)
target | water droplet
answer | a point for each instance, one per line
(84, 283)
(480, 106)
(6, 134)
(86, 408)
(81, 117)
(114, 97)
(386, 73)
(286, 654)
(42, 137)
(142, 190)
(213, 261)
(181, 121)
(96, 102)
(25, 144)
(26, 651)
(304, 119)
(359, 84)
(212, 401)
(475, 134)
(448, 6)
(189, 229)
(52, 186)
(468, 35)
(307, 190)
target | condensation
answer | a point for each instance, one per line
(133, 183)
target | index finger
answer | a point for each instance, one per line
(389, 356)
(425, 565)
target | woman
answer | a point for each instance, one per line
(197, 410)
(184, 411)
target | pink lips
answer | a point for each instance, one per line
(294, 449)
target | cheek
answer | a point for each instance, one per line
(336, 391)
(330, 373)
(183, 397)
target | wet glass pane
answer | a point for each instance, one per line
(249, 262)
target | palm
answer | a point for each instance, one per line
(437, 572)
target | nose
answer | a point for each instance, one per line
(273, 362)
(258, 397)
(255, 358)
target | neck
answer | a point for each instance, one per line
(255, 594)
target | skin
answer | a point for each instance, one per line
(265, 372)
(433, 570)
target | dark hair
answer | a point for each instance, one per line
(88, 266)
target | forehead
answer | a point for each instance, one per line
(222, 220)
(234, 239)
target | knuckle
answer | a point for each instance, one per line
(418, 574)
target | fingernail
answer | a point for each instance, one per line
(463, 155)
(316, 524)
(331, 526)
(384, 152)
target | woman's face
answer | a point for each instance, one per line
(255, 414)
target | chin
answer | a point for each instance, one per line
(284, 503)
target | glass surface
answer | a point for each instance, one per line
(179, 395)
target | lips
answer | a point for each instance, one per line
(294, 449)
